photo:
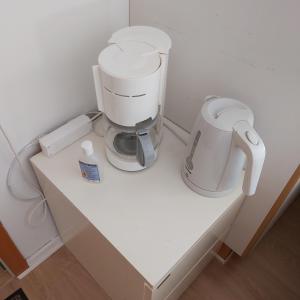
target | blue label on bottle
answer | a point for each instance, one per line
(89, 171)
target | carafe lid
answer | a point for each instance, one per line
(224, 113)
(129, 60)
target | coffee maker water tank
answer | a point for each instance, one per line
(223, 142)
(130, 79)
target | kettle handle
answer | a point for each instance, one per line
(145, 153)
(248, 140)
(98, 86)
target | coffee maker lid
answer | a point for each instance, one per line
(147, 34)
(129, 60)
(224, 113)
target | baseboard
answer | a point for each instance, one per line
(221, 259)
(41, 255)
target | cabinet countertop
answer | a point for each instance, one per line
(151, 217)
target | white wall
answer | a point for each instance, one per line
(46, 53)
(247, 50)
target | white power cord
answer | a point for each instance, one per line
(28, 182)
(15, 160)
(95, 115)
(35, 142)
(174, 129)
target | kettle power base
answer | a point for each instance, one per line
(200, 191)
(120, 163)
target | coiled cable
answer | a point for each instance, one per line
(40, 196)
(93, 115)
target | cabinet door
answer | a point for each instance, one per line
(107, 266)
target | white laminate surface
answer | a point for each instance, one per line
(151, 217)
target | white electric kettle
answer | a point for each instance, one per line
(223, 142)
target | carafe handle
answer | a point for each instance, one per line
(145, 152)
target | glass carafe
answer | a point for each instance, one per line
(133, 148)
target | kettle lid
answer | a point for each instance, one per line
(224, 113)
(129, 60)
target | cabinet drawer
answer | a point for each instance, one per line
(183, 266)
(217, 232)
(188, 279)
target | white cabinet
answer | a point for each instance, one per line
(142, 236)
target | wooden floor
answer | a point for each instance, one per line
(271, 272)
(5, 277)
(60, 277)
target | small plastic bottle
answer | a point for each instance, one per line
(88, 163)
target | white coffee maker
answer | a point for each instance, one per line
(130, 83)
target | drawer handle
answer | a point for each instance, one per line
(164, 281)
